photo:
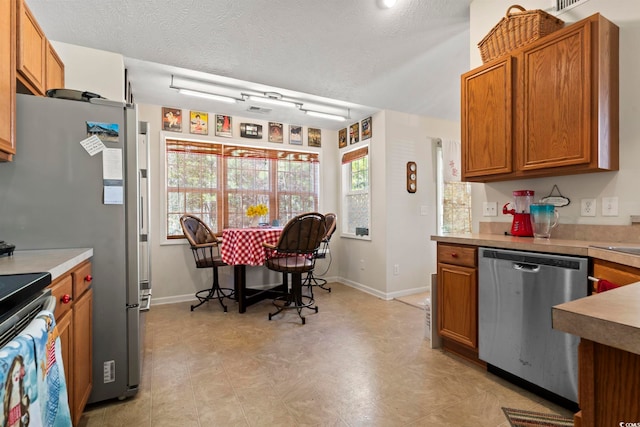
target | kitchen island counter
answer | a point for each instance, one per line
(609, 354)
(610, 318)
(54, 261)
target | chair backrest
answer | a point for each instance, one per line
(196, 231)
(302, 234)
(330, 224)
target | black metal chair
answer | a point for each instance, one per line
(206, 253)
(295, 254)
(312, 280)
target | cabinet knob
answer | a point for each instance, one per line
(88, 278)
(454, 255)
(65, 299)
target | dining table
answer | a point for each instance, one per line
(242, 247)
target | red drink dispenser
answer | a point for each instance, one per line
(521, 225)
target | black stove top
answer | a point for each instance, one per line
(18, 289)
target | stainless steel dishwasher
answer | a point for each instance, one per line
(516, 291)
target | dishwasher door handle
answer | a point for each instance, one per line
(530, 268)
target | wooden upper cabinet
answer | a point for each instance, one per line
(560, 114)
(487, 120)
(556, 102)
(55, 69)
(7, 79)
(31, 55)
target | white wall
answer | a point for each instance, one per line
(92, 70)
(400, 234)
(623, 183)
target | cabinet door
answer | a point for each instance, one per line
(31, 50)
(458, 304)
(82, 351)
(487, 121)
(65, 328)
(55, 69)
(7, 79)
(555, 102)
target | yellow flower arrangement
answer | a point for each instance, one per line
(257, 210)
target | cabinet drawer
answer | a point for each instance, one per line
(62, 290)
(615, 273)
(82, 279)
(457, 255)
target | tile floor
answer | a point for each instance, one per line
(360, 361)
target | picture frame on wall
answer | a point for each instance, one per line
(314, 137)
(199, 122)
(366, 128)
(354, 133)
(250, 130)
(342, 138)
(172, 119)
(223, 125)
(295, 135)
(275, 132)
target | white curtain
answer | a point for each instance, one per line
(451, 157)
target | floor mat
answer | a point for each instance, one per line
(521, 418)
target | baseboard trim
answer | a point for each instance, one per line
(363, 288)
(371, 291)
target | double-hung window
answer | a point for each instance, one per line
(454, 196)
(217, 182)
(356, 192)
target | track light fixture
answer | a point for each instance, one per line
(207, 95)
(322, 115)
(272, 98)
(203, 94)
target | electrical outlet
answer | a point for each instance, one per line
(396, 269)
(609, 206)
(362, 264)
(490, 209)
(587, 207)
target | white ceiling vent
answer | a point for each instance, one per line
(567, 4)
(260, 110)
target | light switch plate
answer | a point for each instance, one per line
(609, 206)
(490, 209)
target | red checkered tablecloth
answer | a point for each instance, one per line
(244, 245)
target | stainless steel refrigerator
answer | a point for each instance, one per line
(56, 195)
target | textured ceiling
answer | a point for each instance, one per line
(346, 53)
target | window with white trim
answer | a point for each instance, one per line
(356, 192)
(217, 182)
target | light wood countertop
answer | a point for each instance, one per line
(611, 318)
(583, 248)
(54, 261)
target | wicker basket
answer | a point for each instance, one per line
(517, 29)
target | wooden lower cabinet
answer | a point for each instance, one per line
(609, 380)
(458, 300)
(74, 320)
(82, 354)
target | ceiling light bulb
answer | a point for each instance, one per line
(325, 115)
(207, 95)
(388, 3)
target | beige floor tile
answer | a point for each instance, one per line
(360, 361)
